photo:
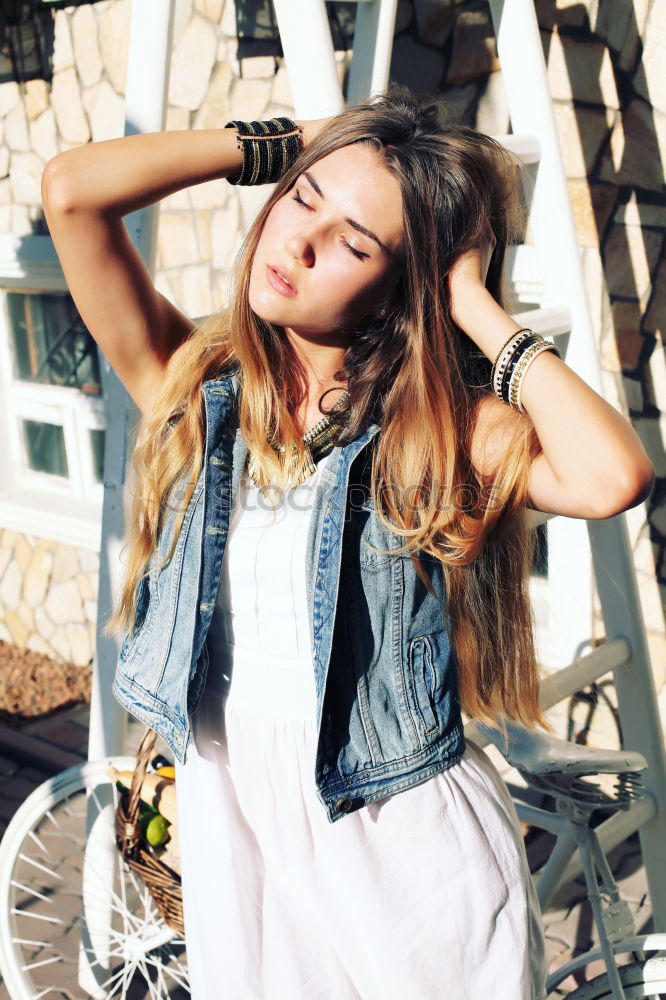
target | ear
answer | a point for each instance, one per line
(390, 307)
(396, 295)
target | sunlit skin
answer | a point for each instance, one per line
(339, 273)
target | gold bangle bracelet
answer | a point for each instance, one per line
(521, 371)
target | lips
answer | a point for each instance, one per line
(279, 283)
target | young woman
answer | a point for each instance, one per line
(328, 548)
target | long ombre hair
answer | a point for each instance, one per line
(413, 371)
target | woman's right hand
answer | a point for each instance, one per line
(86, 192)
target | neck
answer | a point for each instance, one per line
(320, 361)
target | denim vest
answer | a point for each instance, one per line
(388, 714)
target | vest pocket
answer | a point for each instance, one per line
(422, 684)
(375, 536)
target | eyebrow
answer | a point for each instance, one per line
(352, 222)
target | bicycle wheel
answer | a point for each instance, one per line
(640, 979)
(75, 921)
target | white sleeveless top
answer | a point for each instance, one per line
(260, 640)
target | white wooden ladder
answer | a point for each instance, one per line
(548, 272)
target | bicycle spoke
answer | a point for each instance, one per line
(37, 916)
(75, 913)
(41, 867)
(92, 914)
(144, 972)
(33, 943)
(95, 962)
(80, 843)
(173, 972)
(101, 892)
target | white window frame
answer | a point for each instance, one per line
(38, 503)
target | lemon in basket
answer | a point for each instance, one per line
(157, 831)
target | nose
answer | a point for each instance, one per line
(299, 246)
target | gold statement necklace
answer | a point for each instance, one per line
(318, 442)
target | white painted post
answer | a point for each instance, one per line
(531, 111)
(373, 47)
(309, 57)
(526, 81)
(145, 111)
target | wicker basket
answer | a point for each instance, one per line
(161, 881)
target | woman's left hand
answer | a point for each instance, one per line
(473, 265)
(592, 463)
(470, 270)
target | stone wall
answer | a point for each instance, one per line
(48, 597)
(609, 100)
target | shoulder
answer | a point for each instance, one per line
(494, 427)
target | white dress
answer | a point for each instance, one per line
(425, 893)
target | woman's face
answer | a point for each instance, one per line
(314, 237)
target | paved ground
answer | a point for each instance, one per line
(28, 756)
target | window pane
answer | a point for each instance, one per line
(97, 442)
(45, 445)
(51, 344)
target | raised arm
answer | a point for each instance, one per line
(86, 192)
(592, 464)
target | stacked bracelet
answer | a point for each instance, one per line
(504, 357)
(531, 340)
(512, 362)
(269, 148)
(528, 357)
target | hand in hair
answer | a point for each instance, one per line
(470, 271)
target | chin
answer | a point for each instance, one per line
(266, 314)
(261, 309)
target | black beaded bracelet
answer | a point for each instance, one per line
(534, 338)
(269, 148)
(504, 357)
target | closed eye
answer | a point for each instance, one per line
(357, 253)
(300, 201)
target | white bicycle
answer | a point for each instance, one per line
(76, 922)
(562, 770)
